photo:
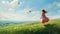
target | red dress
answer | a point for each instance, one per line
(44, 18)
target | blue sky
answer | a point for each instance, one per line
(18, 10)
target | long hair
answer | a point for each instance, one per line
(44, 11)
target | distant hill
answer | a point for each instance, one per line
(5, 23)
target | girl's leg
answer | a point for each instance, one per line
(43, 22)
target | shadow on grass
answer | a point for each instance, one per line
(52, 29)
(49, 29)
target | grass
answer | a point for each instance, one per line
(53, 27)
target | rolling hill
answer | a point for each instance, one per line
(52, 27)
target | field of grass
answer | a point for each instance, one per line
(53, 27)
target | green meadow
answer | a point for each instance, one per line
(52, 27)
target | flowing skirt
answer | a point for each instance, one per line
(45, 19)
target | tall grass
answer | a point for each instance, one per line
(53, 27)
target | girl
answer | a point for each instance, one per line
(43, 17)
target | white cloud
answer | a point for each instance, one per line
(11, 10)
(5, 2)
(52, 5)
(15, 3)
(57, 4)
(12, 4)
(19, 15)
(15, 17)
(54, 17)
(49, 6)
(58, 11)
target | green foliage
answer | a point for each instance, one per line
(53, 27)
